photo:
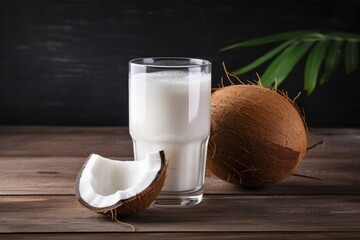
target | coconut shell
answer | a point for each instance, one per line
(258, 137)
(132, 205)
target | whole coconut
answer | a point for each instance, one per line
(258, 137)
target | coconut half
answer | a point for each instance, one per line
(120, 188)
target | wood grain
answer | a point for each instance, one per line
(33, 141)
(187, 235)
(38, 167)
(56, 175)
(20, 214)
(46, 160)
(64, 141)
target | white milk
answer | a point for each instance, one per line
(171, 111)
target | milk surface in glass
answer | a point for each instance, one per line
(170, 110)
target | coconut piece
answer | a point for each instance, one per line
(258, 137)
(120, 188)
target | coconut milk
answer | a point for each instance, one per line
(171, 111)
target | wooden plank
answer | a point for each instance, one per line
(64, 141)
(218, 213)
(27, 141)
(41, 175)
(335, 176)
(56, 175)
(188, 236)
(339, 142)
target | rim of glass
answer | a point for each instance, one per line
(198, 62)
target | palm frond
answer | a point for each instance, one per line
(351, 56)
(313, 63)
(263, 58)
(332, 60)
(284, 63)
(326, 54)
(270, 39)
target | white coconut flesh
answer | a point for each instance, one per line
(105, 182)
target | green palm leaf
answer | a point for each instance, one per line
(312, 67)
(332, 60)
(284, 63)
(271, 39)
(351, 56)
(262, 59)
(337, 35)
(326, 54)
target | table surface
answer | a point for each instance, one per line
(38, 168)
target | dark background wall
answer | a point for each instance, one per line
(65, 62)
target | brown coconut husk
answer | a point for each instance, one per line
(258, 135)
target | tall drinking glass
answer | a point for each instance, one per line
(169, 109)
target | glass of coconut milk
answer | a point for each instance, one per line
(169, 109)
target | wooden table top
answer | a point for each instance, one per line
(38, 167)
